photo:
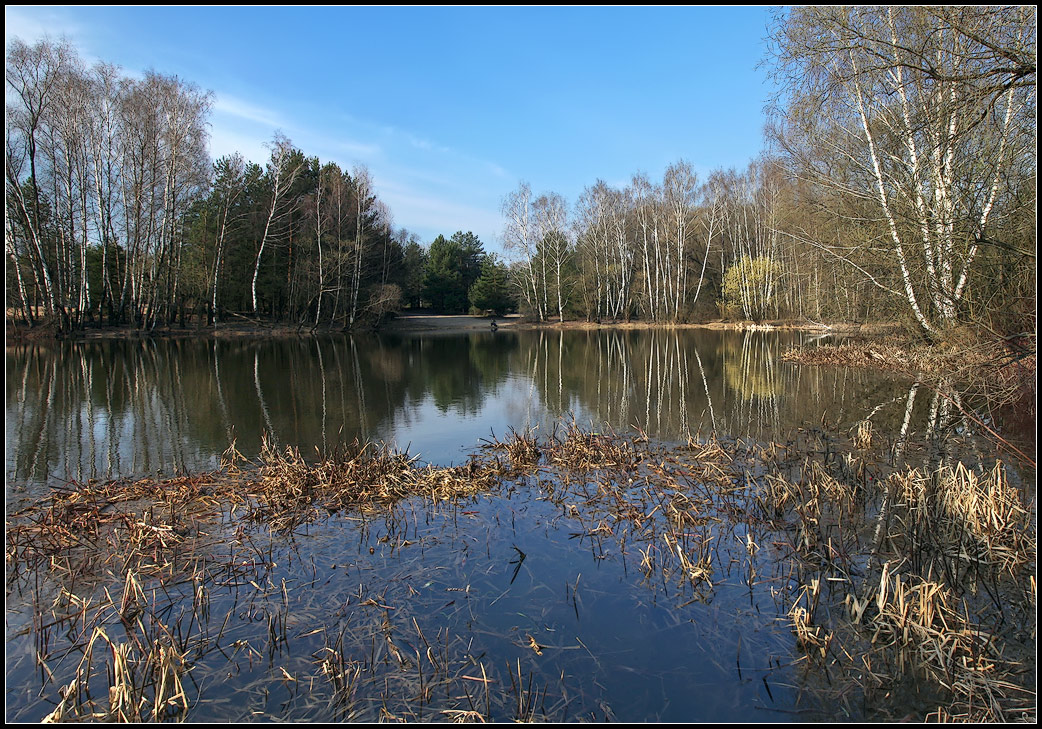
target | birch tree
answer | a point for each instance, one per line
(283, 168)
(922, 113)
(33, 75)
(519, 241)
(550, 215)
(100, 162)
(709, 221)
(749, 225)
(102, 131)
(365, 199)
(679, 185)
(229, 186)
(646, 236)
(606, 252)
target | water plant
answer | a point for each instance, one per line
(360, 584)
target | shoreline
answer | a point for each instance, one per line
(416, 324)
(875, 346)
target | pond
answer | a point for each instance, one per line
(537, 600)
(104, 409)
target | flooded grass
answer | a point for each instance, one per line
(574, 575)
(997, 375)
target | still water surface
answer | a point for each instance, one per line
(129, 408)
(617, 645)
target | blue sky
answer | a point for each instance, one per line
(451, 107)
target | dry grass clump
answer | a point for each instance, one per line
(144, 672)
(950, 541)
(696, 565)
(916, 618)
(288, 486)
(862, 435)
(571, 448)
(955, 546)
(817, 508)
(522, 449)
(955, 515)
(155, 525)
(916, 626)
(813, 639)
(581, 450)
(146, 525)
(809, 637)
(710, 450)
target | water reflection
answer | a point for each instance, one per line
(126, 408)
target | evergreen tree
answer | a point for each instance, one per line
(491, 291)
(453, 266)
(414, 262)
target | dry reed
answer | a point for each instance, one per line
(689, 513)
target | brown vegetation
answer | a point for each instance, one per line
(1001, 371)
(898, 576)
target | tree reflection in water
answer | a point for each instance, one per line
(131, 407)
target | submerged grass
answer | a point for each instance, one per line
(914, 591)
(997, 373)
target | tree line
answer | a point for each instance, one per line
(898, 183)
(117, 215)
(101, 170)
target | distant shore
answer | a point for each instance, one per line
(414, 322)
(420, 322)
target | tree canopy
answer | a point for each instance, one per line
(453, 266)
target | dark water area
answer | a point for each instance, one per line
(566, 611)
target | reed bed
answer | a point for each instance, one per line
(365, 474)
(931, 568)
(897, 355)
(956, 518)
(142, 598)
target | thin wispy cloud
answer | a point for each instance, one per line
(497, 170)
(228, 104)
(40, 24)
(436, 213)
(358, 150)
(422, 143)
(403, 180)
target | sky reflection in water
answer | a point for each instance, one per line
(129, 408)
